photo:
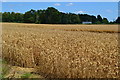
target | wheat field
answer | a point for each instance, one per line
(63, 51)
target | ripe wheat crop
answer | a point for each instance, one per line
(63, 51)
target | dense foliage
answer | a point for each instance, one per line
(53, 16)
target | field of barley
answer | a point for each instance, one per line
(62, 51)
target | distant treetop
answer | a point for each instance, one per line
(53, 16)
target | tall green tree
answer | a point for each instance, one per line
(117, 20)
(94, 19)
(0, 16)
(85, 17)
(6, 17)
(18, 17)
(99, 18)
(40, 17)
(98, 22)
(29, 16)
(12, 17)
(52, 15)
(74, 19)
(64, 18)
(105, 21)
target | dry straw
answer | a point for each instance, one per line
(59, 52)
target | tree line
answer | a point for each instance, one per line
(53, 16)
